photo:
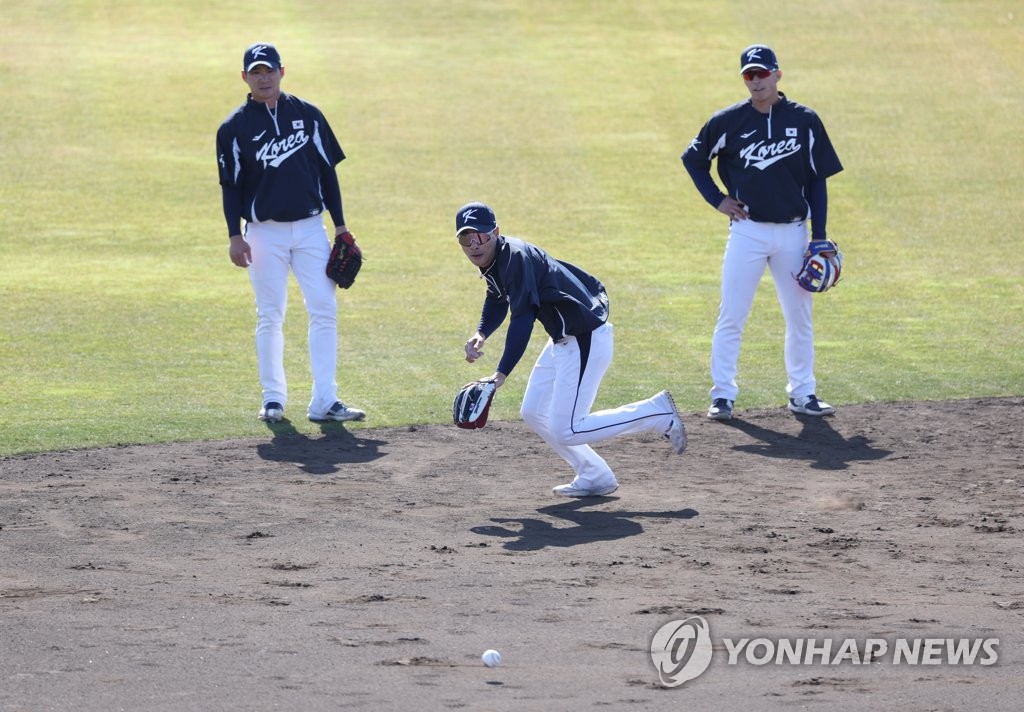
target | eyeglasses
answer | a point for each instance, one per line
(468, 238)
(752, 74)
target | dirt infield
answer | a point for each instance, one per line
(369, 569)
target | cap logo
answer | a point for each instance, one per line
(468, 215)
(258, 51)
(753, 54)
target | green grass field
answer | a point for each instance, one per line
(123, 320)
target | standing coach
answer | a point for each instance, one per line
(773, 157)
(277, 157)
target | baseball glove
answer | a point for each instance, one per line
(823, 263)
(472, 403)
(345, 260)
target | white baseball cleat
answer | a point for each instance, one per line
(575, 490)
(340, 412)
(676, 433)
(271, 412)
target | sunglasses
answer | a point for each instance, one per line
(752, 74)
(468, 238)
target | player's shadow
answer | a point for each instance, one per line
(318, 456)
(818, 443)
(588, 526)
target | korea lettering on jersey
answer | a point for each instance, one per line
(276, 158)
(767, 161)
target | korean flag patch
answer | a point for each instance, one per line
(790, 133)
(297, 124)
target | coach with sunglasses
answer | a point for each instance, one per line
(773, 157)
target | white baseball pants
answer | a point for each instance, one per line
(560, 393)
(750, 248)
(301, 246)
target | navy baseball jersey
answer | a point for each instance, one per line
(526, 281)
(766, 161)
(278, 163)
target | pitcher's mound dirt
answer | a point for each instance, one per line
(369, 569)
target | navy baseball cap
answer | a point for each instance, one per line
(758, 56)
(476, 217)
(261, 53)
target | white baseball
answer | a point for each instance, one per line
(491, 658)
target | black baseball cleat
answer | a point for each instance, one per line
(721, 409)
(810, 405)
(271, 412)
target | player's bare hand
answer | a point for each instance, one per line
(498, 378)
(239, 251)
(733, 208)
(474, 347)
